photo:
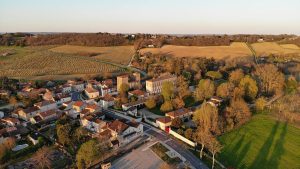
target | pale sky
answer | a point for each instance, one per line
(152, 16)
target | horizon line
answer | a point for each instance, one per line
(126, 33)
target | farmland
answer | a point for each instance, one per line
(216, 52)
(117, 54)
(262, 143)
(290, 46)
(40, 61)
(236, 49)
(267, 48)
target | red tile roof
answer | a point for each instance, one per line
(178, 113)
(94, 118)
(164, 120)
(106, 133)
(91, 90)
(31, 109)
(133, 124)
(108, 82)
(118, 126)
(44, 103)
(10, 119)
(47, 113)
(78, 103)
(108, 98)
(85, 111)
(92, 106)
(137, 92)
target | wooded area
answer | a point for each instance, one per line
(138, 40)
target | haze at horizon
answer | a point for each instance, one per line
(156, 16)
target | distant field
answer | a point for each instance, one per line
(117, 54)
(289, 46)
(40, 61)
(262, 143)
(217, 52)
(267, 48)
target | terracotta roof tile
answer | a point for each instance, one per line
(31, 109)
(47, 113)
(137, 92)
(78, 103)
(44, 103)
(108, 98)
(10, 119)
(118, 126)
(178, 113)
(164, 120)
(91, 90)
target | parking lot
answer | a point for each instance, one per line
(141, 158)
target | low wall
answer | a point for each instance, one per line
(151, 122)
(180, 137)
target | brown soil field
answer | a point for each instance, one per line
(217, 52)
(267, 48)
(40, 61)
(116, 54)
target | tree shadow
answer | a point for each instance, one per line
(235, 149)
(242, 154)
(261, 160)
(278, 149)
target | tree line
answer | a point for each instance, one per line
(138, 40)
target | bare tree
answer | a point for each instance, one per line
(270, 79)
(41, 157)
(214, 147)
(236, 76)
(207, 118)
(201, 137)
(238, 112)
(204, 90)
(225, 90)
(182, 87)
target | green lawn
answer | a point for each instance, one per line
(156, 110)
(262, 143)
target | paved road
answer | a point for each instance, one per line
(162, 136)
(189, 156)
(140, 158)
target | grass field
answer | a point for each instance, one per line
(217, 52)
(262, 143)
(267, 48)
(40, 61)
(117, 54)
